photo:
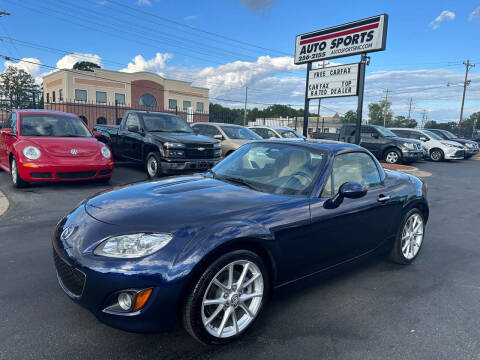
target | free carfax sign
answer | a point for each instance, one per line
(357, 37)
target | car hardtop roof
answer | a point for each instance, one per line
(333, 147)
(218, 124)
(43, 111)
(409, 129)
(150, 112)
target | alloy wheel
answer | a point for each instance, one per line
(14, 171)
(436, 155)
(232, 299)
(392, 157)
(412, 236)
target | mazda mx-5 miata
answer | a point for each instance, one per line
(44, 145)
(209, 248)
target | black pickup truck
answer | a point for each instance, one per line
(380, 141)
(163, 142)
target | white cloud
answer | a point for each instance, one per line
(30, 65)
(445, 15)
(155, 64)
(475, 13)
(257, 5)
(190, 17)
(69, 60)
(144, 2)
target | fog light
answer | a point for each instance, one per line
(125, 301)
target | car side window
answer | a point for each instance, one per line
(366, 131)
(416, 135)
(14, 123)
(355, 166)
(271, 134)
(211, 131)
(402, 133)
(327, 189)
(132, 119)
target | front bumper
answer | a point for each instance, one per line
(412, 155)
(179, 165)
(97, 278)
(454, 154)
(469, 152)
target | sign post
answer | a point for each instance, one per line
(357, 37)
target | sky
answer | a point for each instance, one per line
(227, 45)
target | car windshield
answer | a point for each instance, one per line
(239, 133)
(289, 134)
(272, 167)
(384, 131)
(448, 134)
(165, 123)
(53, 125)
(432, 134)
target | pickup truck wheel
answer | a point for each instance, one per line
(152, 165)
(392, 156)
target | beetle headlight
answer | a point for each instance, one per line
(106, 152)
(31, 152)
(132, 245)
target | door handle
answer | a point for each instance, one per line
(382, 198)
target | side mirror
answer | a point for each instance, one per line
(133, 128)
(9, 132)
(375, 135)
(349, 190)
(97, 134)
(423, 138)
(218, 137)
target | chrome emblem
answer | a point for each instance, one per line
(67, 232)
(201, 149)
(73, 151)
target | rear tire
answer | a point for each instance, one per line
(17, 180)
(216, 311)
(153, 166)
(409, 239)
(392, 156)
(436, 155)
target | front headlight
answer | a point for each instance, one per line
(409, 146)
(469, 145)
(217, 145)
(132, 245)
(31, 152)
(173, 145)
(106, 152)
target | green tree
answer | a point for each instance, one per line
(402, 121)
(380, 113)
(19, 88)
(349, 117)
(85, 66)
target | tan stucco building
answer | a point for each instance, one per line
(103, 95)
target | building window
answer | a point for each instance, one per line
(172, 104)
(120, 98)
(80, 95)
(199, 106)
(53, 96)
(60, 95)
(101, 97)
(147, 100)
(186, 104)
(48, 98)
(101, 120)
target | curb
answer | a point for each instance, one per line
(3, 204)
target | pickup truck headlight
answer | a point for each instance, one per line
(106, 152)
(132, 246)
(409, 146)
(173, 145)
(217, 145)
(31, 152)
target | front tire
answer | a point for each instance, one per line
(436, 155)
(409, 239)
(17, 180)
(227, 299)
(153, 165)
(392, 156)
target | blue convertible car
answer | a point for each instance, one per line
(207, 249)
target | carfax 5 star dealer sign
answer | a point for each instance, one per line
(357, 37)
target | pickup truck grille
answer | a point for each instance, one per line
(199, 154)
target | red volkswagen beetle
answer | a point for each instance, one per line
(43, 145)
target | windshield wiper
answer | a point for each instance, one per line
(238, 181)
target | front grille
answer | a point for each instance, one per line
(460, 153)
(196, 146)
(71, 279)
(104, 172)
(76, 175)
(41, 175)
(199, 154)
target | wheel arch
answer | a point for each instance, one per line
(148, 148)
(389, 148)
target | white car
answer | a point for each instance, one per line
(276, 132)
(438, 148)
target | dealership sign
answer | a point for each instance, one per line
(333, 81)
(357, 37)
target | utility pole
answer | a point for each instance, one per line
(245, 111)
(410, 108)
(424, 118)
(384, 113)
(468, 65)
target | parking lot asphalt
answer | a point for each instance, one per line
(371, 310)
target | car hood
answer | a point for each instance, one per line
(451, 142)
(176, 202)
(66, 146)
(183, 138)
